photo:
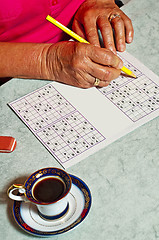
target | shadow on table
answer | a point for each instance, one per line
(4, 80)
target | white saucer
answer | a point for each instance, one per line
(27, 217)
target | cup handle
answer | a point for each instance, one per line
(18, 187)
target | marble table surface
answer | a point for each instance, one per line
(123, 177)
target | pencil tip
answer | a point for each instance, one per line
(133, 75)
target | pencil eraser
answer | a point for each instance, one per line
(7, 144)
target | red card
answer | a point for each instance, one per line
(7, 144)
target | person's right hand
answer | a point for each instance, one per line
(79, 64)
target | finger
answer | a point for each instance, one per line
(107, 33)
(105, 74)
(98, 83)
(102, 56)
(91, 31)
(78, 28)
(86, 78)
(103, 84)
(81, 80)
(128, 28)
(93, 70)
(119, 30)
(90, 81)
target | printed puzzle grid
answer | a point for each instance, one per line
(136, 98)
(64, 131)
(56, 123)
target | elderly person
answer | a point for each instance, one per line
(31, 47)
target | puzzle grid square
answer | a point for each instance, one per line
(59, 126)
(136, 98)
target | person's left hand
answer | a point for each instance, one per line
(99, 14)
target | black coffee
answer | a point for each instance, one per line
(48, 190)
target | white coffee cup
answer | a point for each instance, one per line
(48, 189)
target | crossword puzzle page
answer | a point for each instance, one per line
(73, 123)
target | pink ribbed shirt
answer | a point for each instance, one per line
(25, 21)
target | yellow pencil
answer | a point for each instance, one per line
(80, 39)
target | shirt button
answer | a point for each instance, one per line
(54, 2)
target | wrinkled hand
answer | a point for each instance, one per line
(94, 14)
(78, 64)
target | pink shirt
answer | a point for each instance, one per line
(25, 21)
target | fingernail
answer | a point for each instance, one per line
(121, 48)
(130, 39)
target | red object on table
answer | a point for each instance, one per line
(7, 144)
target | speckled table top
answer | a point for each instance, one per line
(123, 177)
